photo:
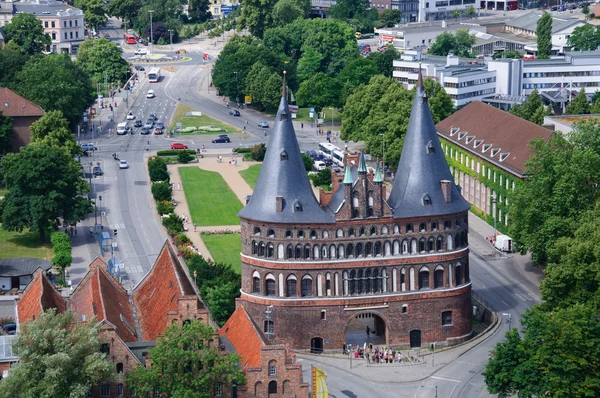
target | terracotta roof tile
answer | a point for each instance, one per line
(158, 292)
(492, 129)
(39, 296)
(100, 295)
(243, 334)
(12, 104)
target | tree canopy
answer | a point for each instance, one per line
(6, 132)
(125, 9)
(186, 362)
(27, 32)
(58, 357)
(93, 11)
(44, 185)
(101, 57)
(580, 104)
(459, 44)
(533, 109)
(52, 129)
(544, 36)
(584, 38)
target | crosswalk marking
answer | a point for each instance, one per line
(116, 226)
(524, 297)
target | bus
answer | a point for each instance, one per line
(154, 75)
(332, 152)
(129, 39)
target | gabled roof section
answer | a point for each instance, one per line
(158, 292)
(529, 22)
(100, 295)
(13, 105)
(422, 167)
(39, 296)
(245, 337)
(498, 130)
(284, 181)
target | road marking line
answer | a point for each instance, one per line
(445, 378)
(503, 302)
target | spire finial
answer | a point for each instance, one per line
(420, 78)
(284, 88)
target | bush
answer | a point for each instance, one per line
(173, 223)
(184, 157)
(174, 152)
(164, 207)
(157, 168)
(242, 150)
(321, 178)
(258, 152)
(182, 240)
(308, 162)
(63, 253)
(162, 191)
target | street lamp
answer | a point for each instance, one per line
(171, 37)
(331, 118)
(508, 319)
(151, 37)
(494, 214)
(237, 98)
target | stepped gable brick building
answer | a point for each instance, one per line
(317, 275)
(271, 370)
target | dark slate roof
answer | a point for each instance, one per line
(22, 266)
(421, 170)
(285, 178)
(338, 197)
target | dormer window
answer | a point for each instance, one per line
(283, 116)
(453, 131)
(495, 151)
(486, 147)
(430, 147)
(297, 207)
(504, 156)
(283, 155)
(477, 143)
(461, 135)
(426, 200)
(470, 138)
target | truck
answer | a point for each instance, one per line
(503, 243)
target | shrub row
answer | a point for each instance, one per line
(175, 152)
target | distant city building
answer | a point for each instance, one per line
(23, 113)
(221, 8)
(443, 9)
(566, 123)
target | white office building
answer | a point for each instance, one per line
(443, 9)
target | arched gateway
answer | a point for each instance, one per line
(358, 324)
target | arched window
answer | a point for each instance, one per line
(316, 254)
(298, 253)
(368, 249)
(370, 198)
(352, 281)
(328, 284)
(438, 277)
(256, 231)
(439, 245)
(259, 389)
(261, 249)
(404, 246)
(325, 234)
(345, 283)
(313, 234)
(424, 278)
(272, 368)
(271, 233)
(458, 222)
(431, 244)
(270, 250)
(288, 234)
(396, 229)
(339, 233)
(457, 241)
(290, 252)
(413, 245)
(384, 230)
(375, 281)
(351, 232)
(422, 227)
(368, 281)
(256, 282)
(384, 280)
(361, 231)
(119, 367)
(290, 286)
(396, 247)
(359, 282)
(272, 387)
(350, 250)
(421, 245)
(307, 286)
(340, 251)
(377, 249)
(450, 244)
(463, 238)
(254, 247)
(270, 285)
(458, 277)
(409, 228)
(306, 252)
(387, 248)
(332, 252)
(324, 252)
(373, 231)
(434, 226)
(447, 225)
(280, 252)
(300, 234)
(359, 248)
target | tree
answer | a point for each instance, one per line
(58, 357)
(585, 10)
(187, 363)
(390, 18)
(6, 131)
(459, 43)
(440, 102)
(320, 90)
(385, 60)
(54, 82)
(198, 11)
(309, 64)
(533, 109)
(256, 16)
(12, 60)
(63, 252)
(173, 223)
(159, 31)
(219, 299)
(464, 43)
(456, 13)
(124, 9)
(355, 73)
(157, 168)
(286, 12)
(44, 185)
(93, 11)
(100, 59)
(471, 11)
(349, 9)
(27, 32)
(579, 106)
(443, 45)
(161, 191)
(52, 129)
(544, 36)
(510, 54)
(584, 38)
(322, 178)
(308, 162)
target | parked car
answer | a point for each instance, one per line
(130, 116)
(123, 164)
(97, 171)
(153, 117)
(106, 35)
(140, 68)
(89, 147)
(149, 124)
(181, 51)
(137, 123)
(150, 94)
(234, 112)
(160, 125)
(145, 130)
(141, 51)
(159, 130)
(10, 328)
(221, 138)
(263, 124)
(178, 145)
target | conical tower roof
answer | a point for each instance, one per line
(417, 189)
(283, 193)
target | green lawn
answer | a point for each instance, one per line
(26, 244)
(251, 174)
(303, 114)
(193, 121)
(225, 248)
(210, 200)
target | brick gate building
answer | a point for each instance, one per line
(318, 275)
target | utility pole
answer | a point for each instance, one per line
(151, 37)
(237, 98)
(171, 37)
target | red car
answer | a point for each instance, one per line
(178, 145)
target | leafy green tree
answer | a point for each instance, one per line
(256, 16)
(385, 60)
(286, 12)
(584, 38)
(164, 207)
(161, 191)
(198, 10)
(44, 185)
(390, 18)
(54, 82)
(219, 296)
(272, 94)
(544, 36)
(439, 100)
(63, 252)
(124, 9)
(308, 162)
(27, 32)
(184, 157)
(595, 97)
(93, 11)
(100, 58)
(210, 272)
(349, 9)
(258, 152)
(456, 13)
(173, 223)
(157, 168)
(52, 129)
(533, 109)
(58, 357)
(579, 105)
(309, 64)
(187, 363)
(444, 44)
(355, 73)
(595, 109)
(12, 60)
(585, 10)
(6, 132)
(320, 90)
(471, 11)
(321, 178)
(510, 54)
(459, 43)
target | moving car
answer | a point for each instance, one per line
(89, 147)
(180, 51)
(178, 145)
(160, 125)
(106, 35)
(137, 123)
(123, 128)
(150, 94)
(221, 138)
(123, 164)
(234, 112)
(97, 171)
(159, 130)
(263, 124)
(149, 124)
(130, 116)
(153, 117)
(140, 68)
(141, 51)
(145, 130)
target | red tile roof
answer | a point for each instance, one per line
(13, 105)
(39, 296)
(100, 295)
(243, 334)
(158, 292)
(492, 134)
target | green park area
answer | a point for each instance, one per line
(209, 198)
(202, 123)
(250, 175)
(24, 244)
(303, 115)
(225, 249)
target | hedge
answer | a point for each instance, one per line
(175, 152)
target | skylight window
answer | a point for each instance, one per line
(486, 147)
(477, 143)
(504, 155)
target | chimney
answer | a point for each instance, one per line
(446, 190)
(279, 204)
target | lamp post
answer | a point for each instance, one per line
(494, 214)
(508, 319)
(331, 118)
(151, 37)
(171, 38)
(237, 98)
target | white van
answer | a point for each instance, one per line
(318, 165)
(123, 128)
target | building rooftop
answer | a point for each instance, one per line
(10, 267)
(241, 332)
(13, 105)
(529, 22)
(42, 8)
(492, 134)
(39, 296)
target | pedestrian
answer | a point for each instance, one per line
(302, 125)
(399, 357)
(368, 331)
(203, 148)
(75, 231)
(235, 162)
(91, 231)
(371, 347)
(179, 187)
